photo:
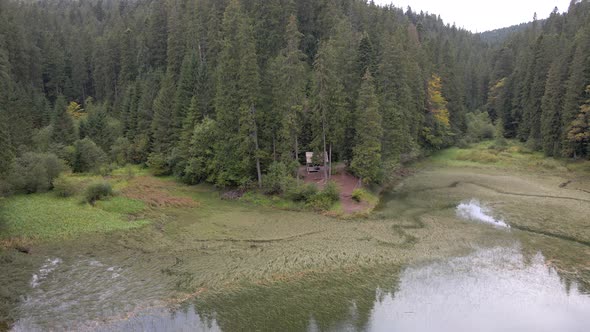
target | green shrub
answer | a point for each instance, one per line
(42, 138)
(320, 202)
(277, 179)
(324, 199)
(357, 195)
(479, 126)
(362, 195)
(64, 187)
(331, 191)
(121, 151)
(302, 192)
(5, 188)
(88, 156)
(274, 180)
(462, 143)
(139, 150)
(98, 191)
(107, 169)
(35, 172)
(64, 152)
(158, 163)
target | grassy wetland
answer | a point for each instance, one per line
(160, 255)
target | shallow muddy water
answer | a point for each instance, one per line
(447, 250)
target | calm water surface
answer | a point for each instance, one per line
(494, 289)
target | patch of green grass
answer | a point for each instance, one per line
(44, 216)
(362, 195)
(336, 210)
(131, 171)
(121, 205)
(271, 201)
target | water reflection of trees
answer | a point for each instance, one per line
(322, 301)
(568, 259)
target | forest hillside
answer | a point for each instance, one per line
(228, 91)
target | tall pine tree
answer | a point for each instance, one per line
(366, 160)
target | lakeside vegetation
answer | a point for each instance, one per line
(511, 155)
(196, 244)
(25, 218)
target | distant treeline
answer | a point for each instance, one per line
(540, 81)
(222, 90)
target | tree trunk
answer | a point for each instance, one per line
(330, 162)
(297, 155)
(258, 170)
(297, 150)
(274, 148)
(325, 152)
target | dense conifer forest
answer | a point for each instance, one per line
(228, 91)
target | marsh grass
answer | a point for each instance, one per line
(47, 217)
(274, 201)
(514, 155)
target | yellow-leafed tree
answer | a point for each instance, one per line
(75, 110)
(437, 129)
(436, 102)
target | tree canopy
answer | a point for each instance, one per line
(220, 90)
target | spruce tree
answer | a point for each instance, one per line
(163, 123)
(366, 160)
(395, 103)
(551, 107)
(238, 86)
(63, 125)
(249, 84)
(6, 151)
(184, 143)
(289, 71)
(175, 45)
(366, 57)
(543, 54)
(579, 78)
(185, 90)
(96, 127)
(328, 105)
(156, 39)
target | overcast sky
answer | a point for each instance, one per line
(483, 15)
